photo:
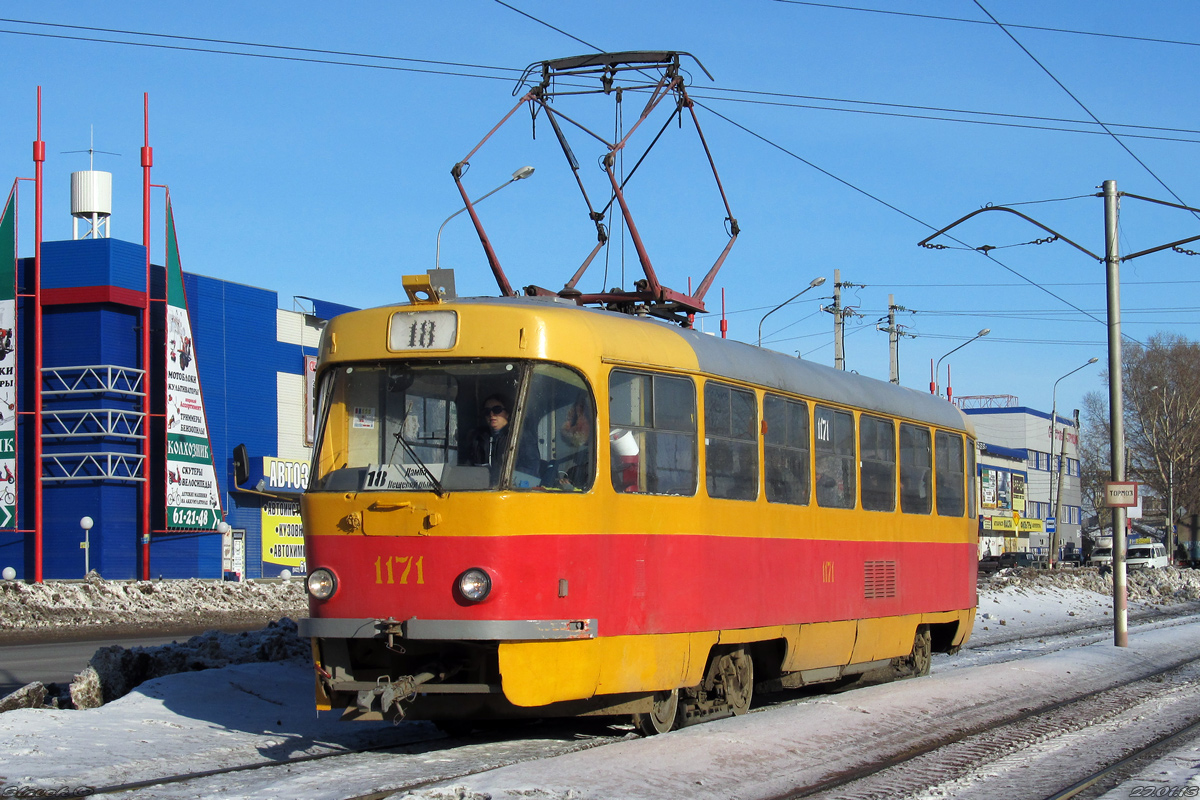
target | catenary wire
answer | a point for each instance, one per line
(942, 18)
(1081, 104)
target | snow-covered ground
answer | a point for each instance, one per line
(262, 710)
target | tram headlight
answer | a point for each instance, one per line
(474, 585)
(321, 584)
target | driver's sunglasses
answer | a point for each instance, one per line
(495, 410)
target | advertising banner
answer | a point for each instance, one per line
(282, 529)
(8, 363)
(193, 496)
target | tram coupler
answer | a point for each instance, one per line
(392, 693)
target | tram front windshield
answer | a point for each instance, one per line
(455, 426)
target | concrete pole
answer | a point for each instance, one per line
(1116, 400)
(839, 345)
(893, 341)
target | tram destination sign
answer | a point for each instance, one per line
(1120, 494)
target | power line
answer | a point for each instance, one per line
(551, 27)
(267, 46)
(1150, 39)
(940, 109)
(1080, 103)
(510, 71)
(267, 56)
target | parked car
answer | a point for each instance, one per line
(1146, 556)
(989, 565)
(1029, 560)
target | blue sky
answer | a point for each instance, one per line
(331, 181)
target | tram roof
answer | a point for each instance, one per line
(771, 369)
(768, 368)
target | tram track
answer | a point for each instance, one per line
(429, 759)
(1038, 752)
(437, 759)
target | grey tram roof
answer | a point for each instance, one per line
(746, 362)
(750, 364)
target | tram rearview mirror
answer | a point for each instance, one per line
(241, 465)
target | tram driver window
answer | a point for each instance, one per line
(948, 449)
(786, 451)
(561, 417)
(653, 435)
(836, 467)
(877, 449)
(916, 469)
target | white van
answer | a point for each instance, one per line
(1146, 556)
(1101, 556)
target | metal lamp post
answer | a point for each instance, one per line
(521, 174)
(814, 284)
(935, 388)
(86, 545)
(1061, 458)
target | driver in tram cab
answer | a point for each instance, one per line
(491, 440)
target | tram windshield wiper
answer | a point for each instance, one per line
(412, 453)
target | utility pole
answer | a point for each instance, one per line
(894, 333)
(839, 318)
(839, 326)
(1116, 406)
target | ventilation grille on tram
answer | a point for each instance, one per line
(879, 579)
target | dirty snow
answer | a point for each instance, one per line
(27, 610)
(262, 710)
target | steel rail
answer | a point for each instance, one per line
(1137, 755)
(1020, 716)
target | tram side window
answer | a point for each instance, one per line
(836, 467)
(971, 478)
(948, 449)
(916, 469)
(730, 442)
(653, 436)
(786, 451)
(877, 449)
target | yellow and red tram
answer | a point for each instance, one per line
(667, 521)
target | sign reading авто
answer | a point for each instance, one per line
(8, 364)
(193, 497)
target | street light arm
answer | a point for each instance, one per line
(521, 174)
(937, 371)
(815, 283)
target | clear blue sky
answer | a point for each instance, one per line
(331, 181)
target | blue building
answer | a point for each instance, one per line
(255, 364)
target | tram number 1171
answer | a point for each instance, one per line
(393, 562)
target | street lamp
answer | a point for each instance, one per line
(521, 174)
(815, 283)
(1061, 458)
(934, 388)
(86, 545)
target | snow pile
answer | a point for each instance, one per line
(1157, 586)
(59, 605)
(114, 670)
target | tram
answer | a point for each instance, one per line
(523, 507)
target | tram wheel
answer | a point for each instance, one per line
(737, 675)
(922, 652)
(662, 717)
